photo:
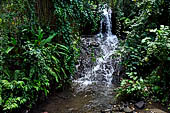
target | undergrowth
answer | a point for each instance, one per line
(145, 51)
(39, 47)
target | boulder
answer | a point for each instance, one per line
(140, 105)
(128, 110)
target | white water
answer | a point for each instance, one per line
(102, 70)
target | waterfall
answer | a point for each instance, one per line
(96, 65)
(100, 71)
(106, 23)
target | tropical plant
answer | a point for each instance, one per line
(145, 51)
(38, 53)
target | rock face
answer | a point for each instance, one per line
(140, 105)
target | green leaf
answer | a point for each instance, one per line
(9, 49)
(156, 88)
(43, 42)
(62, 47)
(14, 42)
(62, 53)
(0, 20)
(46, 91)
(52, 73)
(0, 100)
(55, 59)
(65, 75)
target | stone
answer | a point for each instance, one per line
(157, 111)
(106, 111)
(127, 110)
(115, 108)
(102, 111)
(94, 44)
(140, 105)
(71, 109)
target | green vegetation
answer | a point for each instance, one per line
(39, 47)
(145, 52)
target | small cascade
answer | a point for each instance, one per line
(106, 23)
(103, 67)
(96, 66)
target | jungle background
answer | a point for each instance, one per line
(39, 47)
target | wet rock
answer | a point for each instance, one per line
(106, 111)
(140, 105)
(102, 111)
(94, 44)
(70, 109)
(121, 107)
(132, 101)
(157, 111)
(115, 108)
(117, 112)
(128, 110)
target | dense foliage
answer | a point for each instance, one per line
(39, 47)
(146, 50)
(39, 41)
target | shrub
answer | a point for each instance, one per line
(145, 50)
(38, 54)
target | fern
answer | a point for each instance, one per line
(45, 41)
(53, 73)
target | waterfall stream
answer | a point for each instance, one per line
(96, 66)
(102, 46)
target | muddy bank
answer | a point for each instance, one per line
(84, 102)
(71, 102)
(64, 102)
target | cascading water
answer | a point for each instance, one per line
(96, 65)
(107, 14)
(106, 44)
